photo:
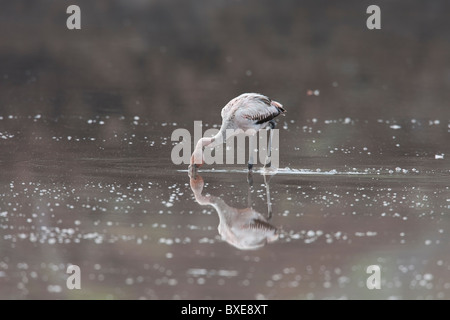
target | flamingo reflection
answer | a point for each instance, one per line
(245, 229)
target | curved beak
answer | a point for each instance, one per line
(193, 166)
(192, 170)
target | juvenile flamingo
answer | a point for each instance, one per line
(249, 111)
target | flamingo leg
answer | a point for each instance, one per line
(250, 148)
(268, 161)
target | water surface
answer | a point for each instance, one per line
(80, 191)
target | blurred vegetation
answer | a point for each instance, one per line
(186, 59)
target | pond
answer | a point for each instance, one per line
(101, 193)
(360, 199)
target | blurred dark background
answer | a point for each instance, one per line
(184, 60)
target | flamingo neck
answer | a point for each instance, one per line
(197, 155)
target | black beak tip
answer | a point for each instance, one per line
(192, 170)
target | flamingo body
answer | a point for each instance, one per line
(249, 111)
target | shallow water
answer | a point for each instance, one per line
(102, 193)
(86, 178)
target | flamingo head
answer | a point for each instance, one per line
(196, 160)
(195, 164)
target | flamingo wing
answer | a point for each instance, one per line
(259, 108)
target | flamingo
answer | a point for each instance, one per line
(249, 111)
